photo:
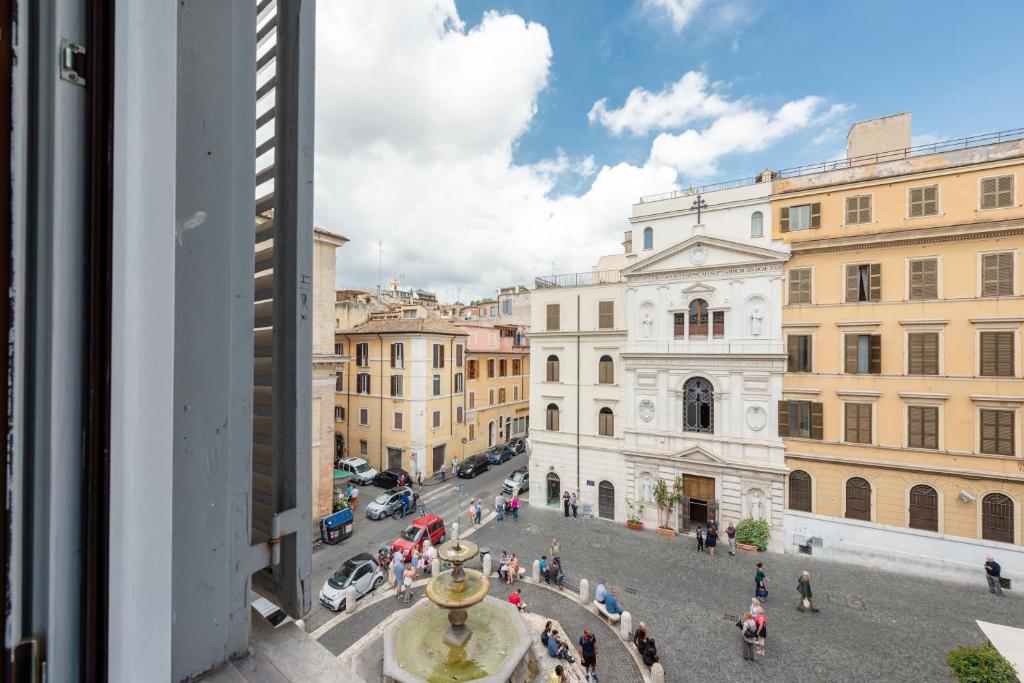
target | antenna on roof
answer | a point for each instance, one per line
(380, 263)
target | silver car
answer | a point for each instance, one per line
(389, 503)
(361, 572)
(517, 482)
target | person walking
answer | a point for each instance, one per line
(479, 510)
(565, 503)
(455, 466)
(806, 596)
(748, 631)
(730, 533)
(712, 540)
(700, 538)
(471, 513)
(761, 620)
(499, 506)
(556, 550)
(992, 571)
(760, 589)
(398, 569)
(515, 507)
(407, 577)
(574, 503)
(588, 655)
(444, 473)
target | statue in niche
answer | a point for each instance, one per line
(756, 506)
(648, 326)
(756, 317)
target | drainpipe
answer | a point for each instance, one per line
(380, 388)
(348, 407)
(579, 492)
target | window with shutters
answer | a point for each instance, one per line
(997, 431)
(606, 370)
(800, 285)
(924, 279)
(458, 383)
(364, 417)
(339, 349)
(923, 427)
(472, 400)
(997, 518)
(997, 192)
(997, 274)
(515, 393)
(554, 316)
(858, 209)
(923, 201)
(606, 422)
(436, 385)
(339, 383)
(552, 418)
(458, 414)
(339, 412)
(801, 419)
(516, 367)
(756, 224)
(800, 491)
(501, 395)
(458, 355)
(471, 370)
(718, 324)
(923, 353)
(863, 353)
(490, 397)
(362, 355)
(397, 355)
(798, 348)
(863, 282)
(438, 355)
(679, 325)
(490, 367)
(502, 368)
(472, 432)
(363, 383)
(698, 319)
(397, 382)
(398, 422)
(364, 447)
(997, 354)
(605, 315)
(648, 238)
(800, 217)
(858, 499)
(924, 508)
(552, 374)
(857, 422)
(435, 421)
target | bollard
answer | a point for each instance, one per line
(657, 673)
(626, 626)
(350, 600)
(435, 567)
(584, 591)
(487, 564)
(536, 571)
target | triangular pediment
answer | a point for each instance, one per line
(698, 288)
(702, 252)
(697, 453)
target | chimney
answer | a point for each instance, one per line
(876, 136)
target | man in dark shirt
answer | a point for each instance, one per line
(992, 570)
(588, 655)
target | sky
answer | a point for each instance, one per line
(465, 146)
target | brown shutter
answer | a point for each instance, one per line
(816, 215)
(988, 193)
(392, 355)
(915, 435)
(553, 316)
(851, 211)
(783, 418)
(997, 274)
(875, 282)
(850, 353)
(931, 200)
(606, 315)
(852, 281)
(1004, 188)
(924, 279)
(792, 349)
(864, 423)
(997, 356)
(784, 219)
(817, 421)
(794, 286)
(875, 354)
(930, 353)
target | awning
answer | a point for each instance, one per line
(1008, 640)
(341, 475)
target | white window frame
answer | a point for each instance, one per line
(761, 233)
(813, 282)
(800, 206)
(937, 327)
(364, 411)
(440, 420)
(874, 491)
(919, 401)
(939, 293)
(851, 397)
(436, 386)
(1013, 194)
(938, 202)
(1012, 325)
(393, 416)
(997, 403)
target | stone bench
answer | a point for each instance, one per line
(603, 611)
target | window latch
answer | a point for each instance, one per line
(72, 62)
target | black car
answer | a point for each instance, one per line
(473, 465)
(518, 445)
(388, 479)
(499, 454)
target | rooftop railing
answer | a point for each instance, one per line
(591, 277)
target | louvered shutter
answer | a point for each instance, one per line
(931, 200)
(606, 315)
(792, 350)
(988, 193)
(864, 423)
(817, 421)
(997, 274)
(393, 354)
(816, 215)
(924, 279)
(875, 354)
(850, 353)
(875, 282)
(997, 437)
(783, 418)
(784, 219)
(852, 278)
(851, 211)
(1004, 190)
(553, 316)
(997, 354)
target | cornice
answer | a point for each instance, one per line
(910, 237)
(915, 467)
(568, 334)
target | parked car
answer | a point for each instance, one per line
(499, 454)
(361, 571)
(359, 469)
(388, 479)
(389, 503)
(518, 481)
(518, 445)
(474, 465)
(422, 528)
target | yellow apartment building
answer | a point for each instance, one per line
(401, 401)
(497, 383)
(902, 400)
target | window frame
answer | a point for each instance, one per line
(873, 340)
(810, 491)
(1014, 517)
(436, 386)
(397, 381)
(940, 351)
(553, 370)
(810, 352)
(606, 422)
(908, 277)
(398, 421)
(360, 377)
(436, 420)
(871, 209)
(1013, 192)
(910, 202)
(1012, 330)
(363, 354)
(1015, 424)
(648, 239)
(601, 314)
(939, 417)
(606, 370)
(397, 355)
(810, 289)
(844, 273)
(981, 272)
(552, 416)
(363, 416)
(859, 401)
(938, 507)
(460, 383)
(801, 228)
(757, 218)
(557, 310)
(871, 498)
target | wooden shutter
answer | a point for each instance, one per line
(850, 353)
(923, 353)
(924, 279)
(398, 420)
(679, 325)
(606, 315)
(783, 418)
(931, 200)
(875, 282)
(875, 354)
(794, 286)
(817, 421)
(784, 219)
(852, 283)
(988, 193)
(858, 422)
(997, 432)
(392, 355)
(851, 211)
(793, 351)
(997, 354)
(924, 508)
(816, 215)
(553, 316)
(800, 286)
(997, 274)
(858, 499)
(1004, 188)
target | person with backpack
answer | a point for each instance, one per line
(545, 634)
(650, 653)
(748, 631)
(760, 589)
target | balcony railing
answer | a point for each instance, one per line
(592, 277)
(701, 189)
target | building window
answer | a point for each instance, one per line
(552, 368)
(858, 422)
(363, 383)
(923, 427)
(605, 315)
(799, 491)
(409, 313)
(648, 239)
(800, 286)
(698, 406)
(339, 412)
(698, 319)
(472, 432)
(516, 367)
(339, 349)
(339, 383)
(997, 437)
(362, 355)
(459, 414)
(679, 325)
(552, 418)
(363, 448)
(606, 370)
(490, 397)
(436, 385)
(858, 499)
(997, 274)
(801, 419)
(802, 217)
(997, 518)
(756, 224)
(923, 353)
(858, 209)
(997, 193)
(554, 317)
(458, 383)
(472, 400)
(502, 368)
(490, 367)
(398, 421)
(435, 421)
(506, 306)
(397, 355)
(924, 201)
(606, 422)
(996, 354)
(501, 396)
(924, 279)
(718, 324)
(798, 346)
(863, 354)
(438, 355)
(863, 282)
(924, 508)
(458, 355)
(364, 417)
(397, 382)
(472, 369)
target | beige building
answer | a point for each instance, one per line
(497, 383)
(903, 312)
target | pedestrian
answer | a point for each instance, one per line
(471, 513)
(515, 508)
(588, 654)
(565, 504)
(499, 506)
(556, 550)
(712, 539)
(806, 597)
(640, 637)
(513, 569)
(543, 566)
(700, 538)
(419, 477)
(762, 632)
(748, 631)
(558, 675)
(600, 593)
(407, 577)
(755, 606)
(404, 498)
(479, 511)
(574, 504)
(503, 566)
(401, 480)
(730, 533)
(760, 589)
(516, 598)
(384, 560)
(455, 466)
(992, 571)
(398, 567)
(444, 473)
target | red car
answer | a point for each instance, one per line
(422, 528)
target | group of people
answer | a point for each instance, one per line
(570, 504)
(558, 647)
(707, 538)
(645, 645)
(754, 624)
(503, 506)
(508, 567)
(401, 573)
(608, 597)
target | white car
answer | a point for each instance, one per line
(359, 571)
(361, 471)
(517, 482)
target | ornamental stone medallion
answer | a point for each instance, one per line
(699, 255)
(646, 410)
(756, 418)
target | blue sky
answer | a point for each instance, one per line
(457, 132)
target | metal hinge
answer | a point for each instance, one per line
(72, 62)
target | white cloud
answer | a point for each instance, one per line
(679, 12)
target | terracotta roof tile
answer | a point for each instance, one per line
(405, 326)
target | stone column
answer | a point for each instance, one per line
(487, 564)
(657, 673)
(584, 591)
(535, 574)
(626, 626)
(435, 567)
(350, 600)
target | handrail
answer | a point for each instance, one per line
(590, 277)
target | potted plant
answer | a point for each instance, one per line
(666, 502)
(752, 535)
(635, 515)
